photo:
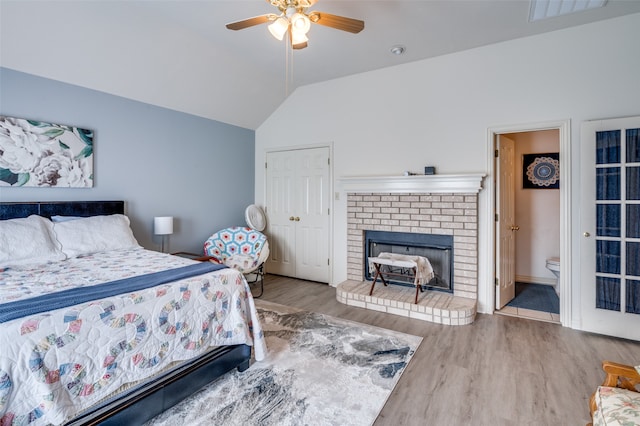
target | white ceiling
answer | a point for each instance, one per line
(178, 54)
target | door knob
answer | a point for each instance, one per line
(586, 234)
(297, 219)
(291, 218)
(515, 228)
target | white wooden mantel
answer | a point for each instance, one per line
(417, 184)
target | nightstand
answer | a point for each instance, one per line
(193, 256)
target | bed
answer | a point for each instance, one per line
(94, 331)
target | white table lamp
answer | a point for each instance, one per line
(163, 225)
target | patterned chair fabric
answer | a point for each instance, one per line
(241, 248)
(616, 407)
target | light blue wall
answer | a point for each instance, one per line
(160, 162)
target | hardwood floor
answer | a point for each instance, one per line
(500, 370)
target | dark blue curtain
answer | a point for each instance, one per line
(612, 198)
(608, 293)
(608, 147)
(633, 297)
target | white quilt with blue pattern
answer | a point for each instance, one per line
(56, 364)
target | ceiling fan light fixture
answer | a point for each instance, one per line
(294, 19)
(279, 27)
(298, 37)
(300, 22)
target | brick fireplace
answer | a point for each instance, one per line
(437, 205)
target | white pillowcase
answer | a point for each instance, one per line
(28, 240)
(94, 235)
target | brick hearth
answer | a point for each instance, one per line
(453, 214)
(433, 306)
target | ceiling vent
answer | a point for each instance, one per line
(543, 9)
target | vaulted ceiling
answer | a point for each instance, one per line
(178, 54)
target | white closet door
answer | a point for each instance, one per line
(312, 230)
(610, 218)
(298, 213)
(280, 208)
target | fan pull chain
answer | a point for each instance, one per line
(289, 66)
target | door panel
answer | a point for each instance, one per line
(280, 253)
(298, 187)
(312, 229)
(610, 218)
(280, 187)
(505, 226)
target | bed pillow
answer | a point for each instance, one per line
(94, 234)
(28, 240)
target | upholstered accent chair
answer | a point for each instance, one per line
(241, 248)
(617, 400)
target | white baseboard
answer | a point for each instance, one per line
(535, 280)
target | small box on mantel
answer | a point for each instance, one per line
(429, 170)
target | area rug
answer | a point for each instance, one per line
(537, 297)
(320, 370)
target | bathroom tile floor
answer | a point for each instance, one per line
(533, 301)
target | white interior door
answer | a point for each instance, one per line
(280, 176)
(298, 211)
(312, 230)
(610, 219)
(505, 224)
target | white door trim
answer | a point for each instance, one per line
(331, 192)
(564, 127)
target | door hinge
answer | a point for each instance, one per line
(496, 153)
(328, 161)
(497, 282)
(328, 262)
(329, 212)
(265, 164)
(497, 220)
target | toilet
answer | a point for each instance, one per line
(553, 264)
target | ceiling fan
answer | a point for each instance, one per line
(295, 20)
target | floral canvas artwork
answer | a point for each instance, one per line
(38, 154)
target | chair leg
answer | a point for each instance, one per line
(260, 272)
(415, 282)
(374, 279)
(378, 274)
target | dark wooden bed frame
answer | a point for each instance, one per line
(146, 400)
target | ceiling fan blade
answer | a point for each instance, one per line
(337, 22)
(300, 45)
(246, 23)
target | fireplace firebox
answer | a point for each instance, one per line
(437, 248)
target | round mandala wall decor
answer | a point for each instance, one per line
(541, 171)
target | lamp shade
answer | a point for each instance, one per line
(298, 37)
(163, 225)
(279, 27)
(301, 23)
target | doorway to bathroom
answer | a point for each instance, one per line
(528, 222)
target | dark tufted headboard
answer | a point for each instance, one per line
(13, 210)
